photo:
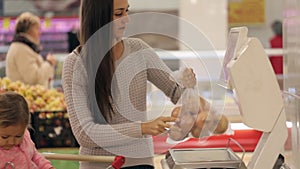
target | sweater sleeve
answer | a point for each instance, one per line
(87, 132)
(160, 74)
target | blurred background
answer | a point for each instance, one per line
(213, 18)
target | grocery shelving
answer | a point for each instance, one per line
(54, 36)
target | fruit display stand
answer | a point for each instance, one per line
(52, 129)
(50, 125)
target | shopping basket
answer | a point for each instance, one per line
(116, 161)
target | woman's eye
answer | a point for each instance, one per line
(118, 14)
(122, 13)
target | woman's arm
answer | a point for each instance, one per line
(159, 74)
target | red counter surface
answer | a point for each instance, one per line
(248, 139)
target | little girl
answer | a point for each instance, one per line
(16, 147)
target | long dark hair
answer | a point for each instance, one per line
(96, 15)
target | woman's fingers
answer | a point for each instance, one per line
(189, 78)
(157, 126)
(164, 122)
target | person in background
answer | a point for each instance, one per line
(72, 40)
(276, 42)
(16, 147)
(23, 61)
(106, 119)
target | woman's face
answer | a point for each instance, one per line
(35, 32)
(120, 17)
(11, 136)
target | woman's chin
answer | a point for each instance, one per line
(118, 38)
(119, 34)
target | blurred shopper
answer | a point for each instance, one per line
(23, 61)
(276, 42)
(16, 148)
(106, 105)
(73, 41)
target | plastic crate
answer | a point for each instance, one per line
(52, 129)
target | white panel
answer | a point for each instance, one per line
(210, 17)
(256, 87)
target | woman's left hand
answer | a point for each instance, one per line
(189, 78)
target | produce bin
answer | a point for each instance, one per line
(52, 129)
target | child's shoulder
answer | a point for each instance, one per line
(27, 143)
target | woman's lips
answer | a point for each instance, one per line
(122, 28)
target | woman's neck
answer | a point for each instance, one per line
(118, 50)
(29, 37)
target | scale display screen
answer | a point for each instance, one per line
(230, 52)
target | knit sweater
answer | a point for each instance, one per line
(122, 134)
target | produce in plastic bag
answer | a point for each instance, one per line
(190, 105)
(196, 117)
(209, 123)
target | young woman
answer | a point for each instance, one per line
(16, 148)
(105, 85)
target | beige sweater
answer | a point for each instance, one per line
(25, 65)
(122, 135)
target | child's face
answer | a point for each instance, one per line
(11, 136)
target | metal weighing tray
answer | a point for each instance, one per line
(203, 158)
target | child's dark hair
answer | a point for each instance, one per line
(13, 110)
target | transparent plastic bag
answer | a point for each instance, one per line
(195, 116)
(190, 105)
(210, 122)
(186, 117)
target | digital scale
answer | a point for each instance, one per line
(248, 72)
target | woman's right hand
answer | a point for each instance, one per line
(51, 59)
(157, 126)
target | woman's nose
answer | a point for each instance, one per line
(125, 18)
